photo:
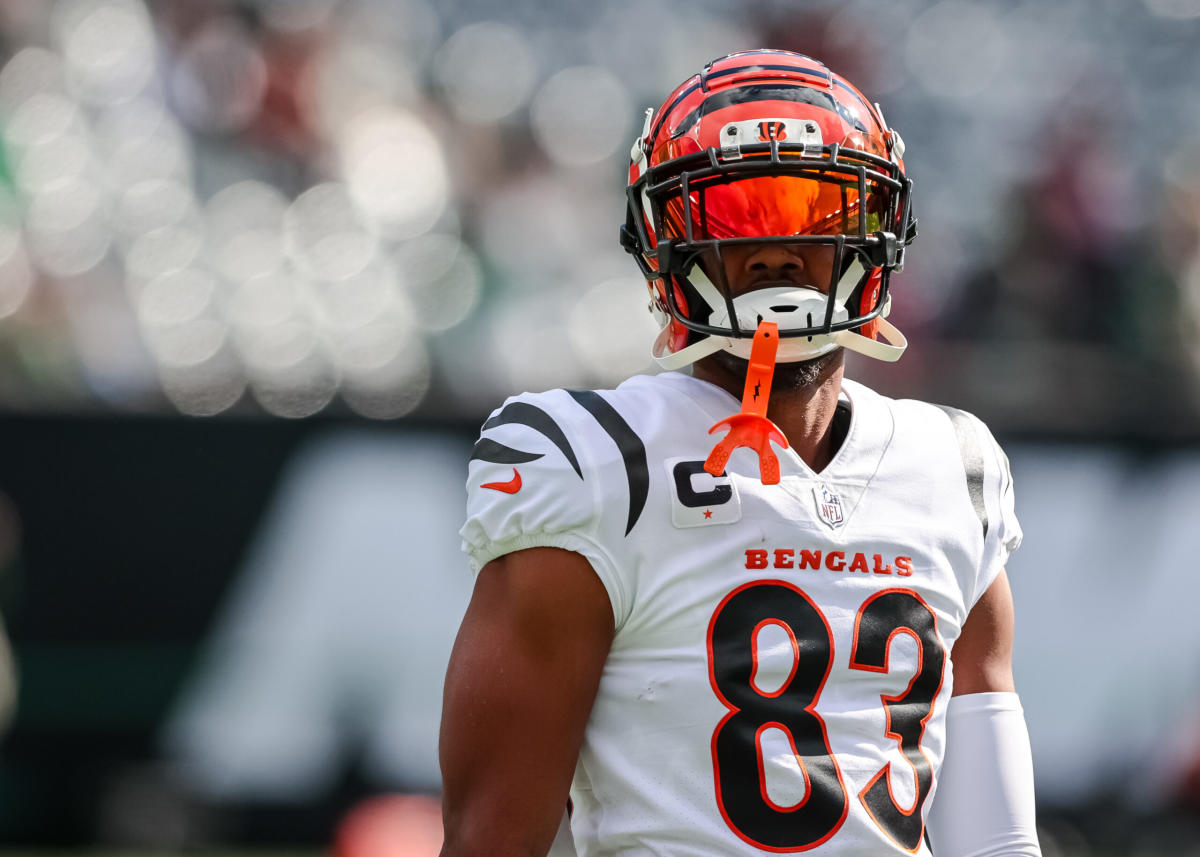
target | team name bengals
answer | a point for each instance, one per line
(759, 558)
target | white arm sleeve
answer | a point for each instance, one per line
(984, 804)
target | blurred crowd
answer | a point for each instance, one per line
(385, 207)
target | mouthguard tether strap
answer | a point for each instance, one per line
(751, 427)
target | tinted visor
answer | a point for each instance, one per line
(771, 206)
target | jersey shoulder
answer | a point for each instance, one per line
(940, 429)
(984, 477)
(560, 469)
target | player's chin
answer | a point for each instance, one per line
(788, 376)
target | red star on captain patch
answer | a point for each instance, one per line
(708, 513)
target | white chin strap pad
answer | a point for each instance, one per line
(792, 308)
(888, 350)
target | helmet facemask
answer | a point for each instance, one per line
(847, 207)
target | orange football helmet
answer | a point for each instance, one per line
(768, 146)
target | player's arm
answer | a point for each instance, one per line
(984, 804)
(982, 655)
(519, 689)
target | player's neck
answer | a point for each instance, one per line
(804, 413)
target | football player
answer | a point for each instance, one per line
(758, 607)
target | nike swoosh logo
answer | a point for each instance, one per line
(512, 486)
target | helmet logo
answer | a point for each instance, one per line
(772, 130)
(804, 133)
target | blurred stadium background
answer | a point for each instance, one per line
(266, 265)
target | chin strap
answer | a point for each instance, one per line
(888, 347)
(687, 355)
(751, 427)
(888, 350)
(894, 342)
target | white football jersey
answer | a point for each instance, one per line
(780, 672)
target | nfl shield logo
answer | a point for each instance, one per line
(829, 506)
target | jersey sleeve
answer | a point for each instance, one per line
(1003, 533)
(531, 483)
(989, 490)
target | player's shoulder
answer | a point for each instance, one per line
(625, 415)
(934, 437)
(585, 427)
(930, 422)
(532, 417)
(569, 437)
(588, 442)
(561, 468)
(672, 406)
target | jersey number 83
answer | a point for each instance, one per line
(792, 708)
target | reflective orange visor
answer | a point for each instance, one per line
(769, 206)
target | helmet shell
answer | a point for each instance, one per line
(756, 117)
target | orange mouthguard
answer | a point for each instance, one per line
(751, 427)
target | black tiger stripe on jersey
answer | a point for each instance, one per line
(632, 450)
(497, 453)
(972, 459)
(523, 413)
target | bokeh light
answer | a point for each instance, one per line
(326, 235)
(206, 389)
(176, 297)
(244, 224)
(353, 77)
(376, 56)
(298, 390)
(277, 349)
(220, 78)
(108, 45)
(392, 390)
(536, 229)
(40, 119)
(528, 331)
(409, 28)
(163, 250)
(67, 227)
(358, 299)
(189, 343)
(373, 346)
(41, 165)
(266, 299)
(150, 203)
(443, 279)
(394, 171)
(955, 49)
(580, 115)
(486, 70)
(28, 72)
(16, 273)
(140, 140)
(385, 368)
(611, 330)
